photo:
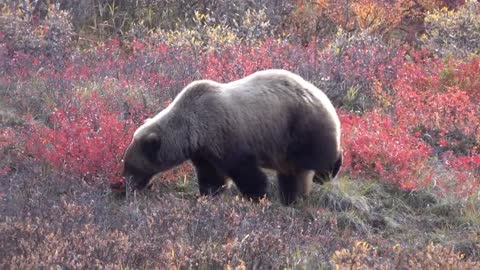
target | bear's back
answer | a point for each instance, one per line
(272, 84)
(277, 92)
(265, 99)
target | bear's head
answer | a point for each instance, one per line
(152, 150)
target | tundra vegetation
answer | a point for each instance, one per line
(77, 77)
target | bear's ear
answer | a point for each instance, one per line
(150, 146)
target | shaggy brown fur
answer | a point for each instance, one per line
(271, 119)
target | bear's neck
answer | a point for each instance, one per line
(185, 132)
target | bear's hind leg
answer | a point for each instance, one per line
(250, 180)
(210, 180)
(294, 185)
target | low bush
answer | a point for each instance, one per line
(85, 139)
(22, 31)
(375, 146)
(395, 21)
(351, 66)
(363, 255)
(438, 101)
(453, 32)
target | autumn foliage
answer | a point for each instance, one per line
(402, 110)
(85, 139)
(77, 78)
(397, 19)
(381, 148)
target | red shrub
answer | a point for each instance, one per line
(465, 171)
(87, 139)
(465, 76)
(440, 101)
(377, 147)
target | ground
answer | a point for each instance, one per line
(54, 220)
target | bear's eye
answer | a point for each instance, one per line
(151, 146)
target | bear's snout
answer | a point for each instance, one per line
(136, 180)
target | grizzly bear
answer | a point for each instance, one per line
(271, 119)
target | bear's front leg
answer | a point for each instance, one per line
(210, 180)
(294, 185)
